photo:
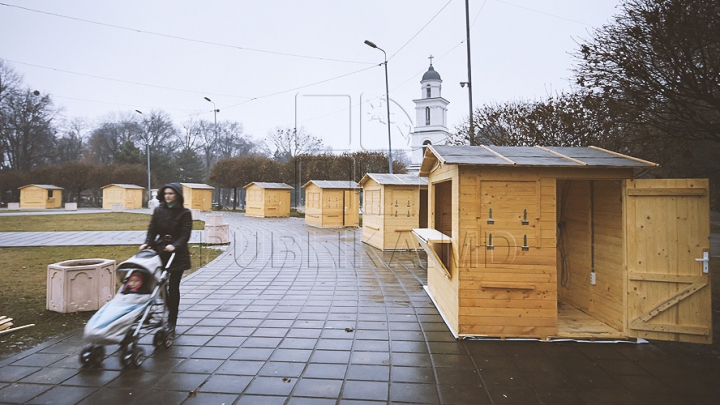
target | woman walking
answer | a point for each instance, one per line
(169, 231)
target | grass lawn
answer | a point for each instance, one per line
(23, 272)
(117, 221)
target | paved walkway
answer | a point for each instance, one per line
(93, 238)
(295, 315)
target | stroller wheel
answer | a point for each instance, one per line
(97, 355)
(163, 338)
(92, 355)
(138, 356)
(127, 353)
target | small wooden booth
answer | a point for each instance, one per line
(129, 196)
(40, 196)
(332, 203)
(197, 196)
(267, 200)
(563, 242)
(393, 205)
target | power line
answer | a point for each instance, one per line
(301, 87)
(182, 38)
(421, 29)
(124, 81)
(544, 13)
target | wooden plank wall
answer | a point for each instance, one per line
(444, 290)
(507, 291)
(351, 208)
(332, 208)
(401, 207)
(668, 221)
(276, 203)
(372, 228)
(313, 206)
(606, 299)
(254, 197)
(608, 294)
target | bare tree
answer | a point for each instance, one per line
(289, 142)
(27, 132)
(660, 62)
(70, 146)
(115, 131)
(232, 142)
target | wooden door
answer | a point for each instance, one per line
(197, 199)
(667, 228)
(350, 209)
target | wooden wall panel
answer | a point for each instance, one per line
(608, 294)
(504, 290)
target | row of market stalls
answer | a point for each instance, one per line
(534, 242)
(124, 196)
(543, 243)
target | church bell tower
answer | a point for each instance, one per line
(431, 117)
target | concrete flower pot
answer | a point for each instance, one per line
(80, 285)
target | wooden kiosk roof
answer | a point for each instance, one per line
(45, 186)
(270, 185)
(199, 186)
(395, 179)
(130, 186)
(341, 184)
(528, 156)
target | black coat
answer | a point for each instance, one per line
(176, 222)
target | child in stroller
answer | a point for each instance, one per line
(139, 308)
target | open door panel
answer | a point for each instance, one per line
(667, 229)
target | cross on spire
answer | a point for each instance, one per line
(431, 58)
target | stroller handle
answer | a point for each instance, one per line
(170, 260)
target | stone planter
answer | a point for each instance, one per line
(80, 285)
(217, 234)
(214, 219)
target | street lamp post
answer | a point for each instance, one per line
(215, 111)
(473, 141)
(387, 102)
(147, 149)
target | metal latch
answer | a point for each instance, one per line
(705, 261)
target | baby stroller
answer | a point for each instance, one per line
(138, 308)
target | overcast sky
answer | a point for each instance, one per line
(275, 63)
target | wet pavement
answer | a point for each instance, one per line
(296, 315)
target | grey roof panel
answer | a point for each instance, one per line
(398, 179)
(198, 186)
(343, 184)
(271, 185)
(535, 156)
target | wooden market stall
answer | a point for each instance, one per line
(564, 242)
(129, 196)
(332, 203)
(267, 200)
(392, 208)
(40, 196)
(197, 196)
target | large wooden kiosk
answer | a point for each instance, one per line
(40, 196)
(393, 205)
(129, 196)
(563, 242)
(267, 200)
(197, 196)
(332, 203)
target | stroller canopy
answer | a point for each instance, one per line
(147, 261)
